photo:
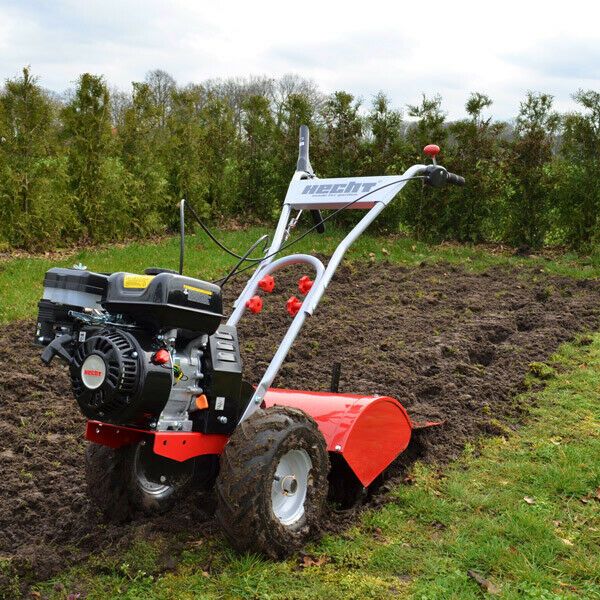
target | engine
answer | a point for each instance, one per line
(144, 350)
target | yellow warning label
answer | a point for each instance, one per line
(196, 289)
(137, 282)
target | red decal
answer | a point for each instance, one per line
(92, 373)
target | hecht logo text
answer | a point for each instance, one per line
(338, 189)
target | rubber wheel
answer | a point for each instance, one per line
(272, 484)
(124, 481)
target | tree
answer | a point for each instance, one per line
(236, 91)
(530, 153)
(429, 127)
(419, 205)
(259, 165)
(220, 156)
(343, 135)
(577, 186)
(471, 213)
(291, 86)
(26, 127)
(141, 141)
(94, 164)
(120, 102)
(187, 176)
(386, 148)
(161, 87)
(97, 179)
(34, 209)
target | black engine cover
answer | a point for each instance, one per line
(114, 379)
(165, 301)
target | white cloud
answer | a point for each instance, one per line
(502, 49)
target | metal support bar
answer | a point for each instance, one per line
(322, 279)
(278, 239)
(293, 330)
(267, 269)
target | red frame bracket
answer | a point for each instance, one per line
(176, 445)
(368, 431)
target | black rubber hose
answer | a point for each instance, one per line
(231, 273)
(223, 247)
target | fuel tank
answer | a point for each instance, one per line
(166, 300)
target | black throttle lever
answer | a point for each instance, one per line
(57, 346)
(437, 176)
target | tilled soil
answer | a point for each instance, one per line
(452, 346)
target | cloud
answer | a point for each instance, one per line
(350, 52)
(356, 46)
(559, 58)
(121, 40)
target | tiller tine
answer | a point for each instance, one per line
(426, 424)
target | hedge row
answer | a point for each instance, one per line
(95, 165)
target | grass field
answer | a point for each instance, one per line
(517, 517)
(21, 279)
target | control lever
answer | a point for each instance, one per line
(57, 346)
(436, 175)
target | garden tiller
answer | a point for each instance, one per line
(159, 376)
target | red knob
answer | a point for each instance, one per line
(254, 304)
(304, 284)
(267, 284)
(431, 150)
(293, 305)
(161, 357)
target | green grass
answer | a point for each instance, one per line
(21, 279)
(522, 511)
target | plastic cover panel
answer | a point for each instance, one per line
(336, 193)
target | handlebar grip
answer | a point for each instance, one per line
(455, 179)
(318, 220)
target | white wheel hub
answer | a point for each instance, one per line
(153, 488)
(288, 493)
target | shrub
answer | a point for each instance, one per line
(107, 165)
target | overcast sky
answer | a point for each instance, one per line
(502, 48)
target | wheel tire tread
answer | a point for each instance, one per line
(247, 460)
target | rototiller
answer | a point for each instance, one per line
(159, 377)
